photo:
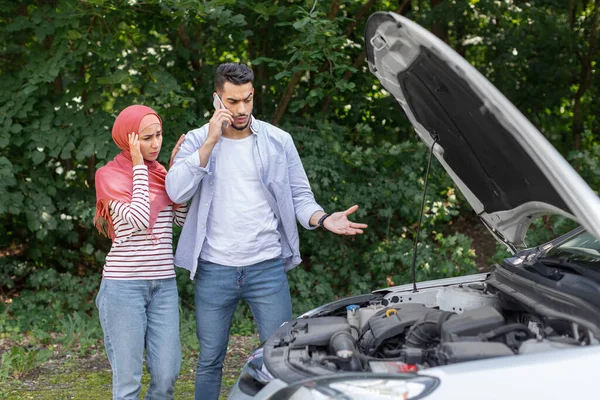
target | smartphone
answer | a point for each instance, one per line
(217, 103)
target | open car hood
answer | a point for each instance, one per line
(504, 166)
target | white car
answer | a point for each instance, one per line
(528, 329)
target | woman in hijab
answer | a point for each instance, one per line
(138, 300)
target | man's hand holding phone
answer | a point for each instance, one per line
(221, 118)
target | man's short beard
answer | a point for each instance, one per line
(242, 128)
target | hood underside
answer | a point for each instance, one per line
(504, 166)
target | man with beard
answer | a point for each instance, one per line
(247, 188)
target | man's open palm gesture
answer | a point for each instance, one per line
(339, 223)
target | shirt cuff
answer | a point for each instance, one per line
(306, 214)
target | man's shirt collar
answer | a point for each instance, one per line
(253, 125)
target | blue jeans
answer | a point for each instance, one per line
(218, 290)
(137, 315)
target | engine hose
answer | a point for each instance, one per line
(427, 329)
(506, 329)
(343, 345)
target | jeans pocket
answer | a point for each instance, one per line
(99, 294)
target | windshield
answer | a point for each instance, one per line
(583, 248)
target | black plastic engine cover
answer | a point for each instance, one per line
(381, 328)
(471, 323)
(452, 353)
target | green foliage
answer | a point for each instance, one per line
(50, 297)
(78, 333)
(587, 161)
(187, 333)
(18, 361)
(68, 67)
(243, 322)
(387, 181)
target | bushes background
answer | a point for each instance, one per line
(68, 67)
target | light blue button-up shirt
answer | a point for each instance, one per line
(283, 180)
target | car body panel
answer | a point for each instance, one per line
(396, 290)
(507, 170)
(457, 280)
(562, 374)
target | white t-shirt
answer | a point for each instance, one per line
(241, 226)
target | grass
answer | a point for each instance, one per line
(57, 355)
(89, 377)
(67, 360)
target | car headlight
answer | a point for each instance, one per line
(254, 375)
(357, 386)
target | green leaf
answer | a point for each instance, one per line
(73, 35)
(27, 90)
(66, 151)
(281, 75)
(16, 128)
(4, 139)
(301, 23)
(85, 150)
(37, 157)
(88, 249)
(118, 77)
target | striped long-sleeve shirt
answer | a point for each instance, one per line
(137, 252)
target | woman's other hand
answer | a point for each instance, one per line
(134, 149)
(176, 149)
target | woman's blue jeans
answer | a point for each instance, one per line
(137, 315)
(218, 290)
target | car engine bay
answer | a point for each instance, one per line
(411, 331)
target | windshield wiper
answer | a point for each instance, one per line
(581, 253)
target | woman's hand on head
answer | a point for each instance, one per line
(176, 149)
(134, 149)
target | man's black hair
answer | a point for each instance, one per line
(236, 73)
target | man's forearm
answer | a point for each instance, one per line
(204, 152)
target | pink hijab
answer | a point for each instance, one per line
(114, 181)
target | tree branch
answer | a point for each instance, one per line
(402, 7)
(349, 29)
(439, 28)
(187, 43)
(361, 57)
(357, 63)
(359, 15)
(289, 91)
(335, 7)
(585, 81)
(287, 97)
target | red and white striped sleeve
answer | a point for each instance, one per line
(137, 212)
(180, 214)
